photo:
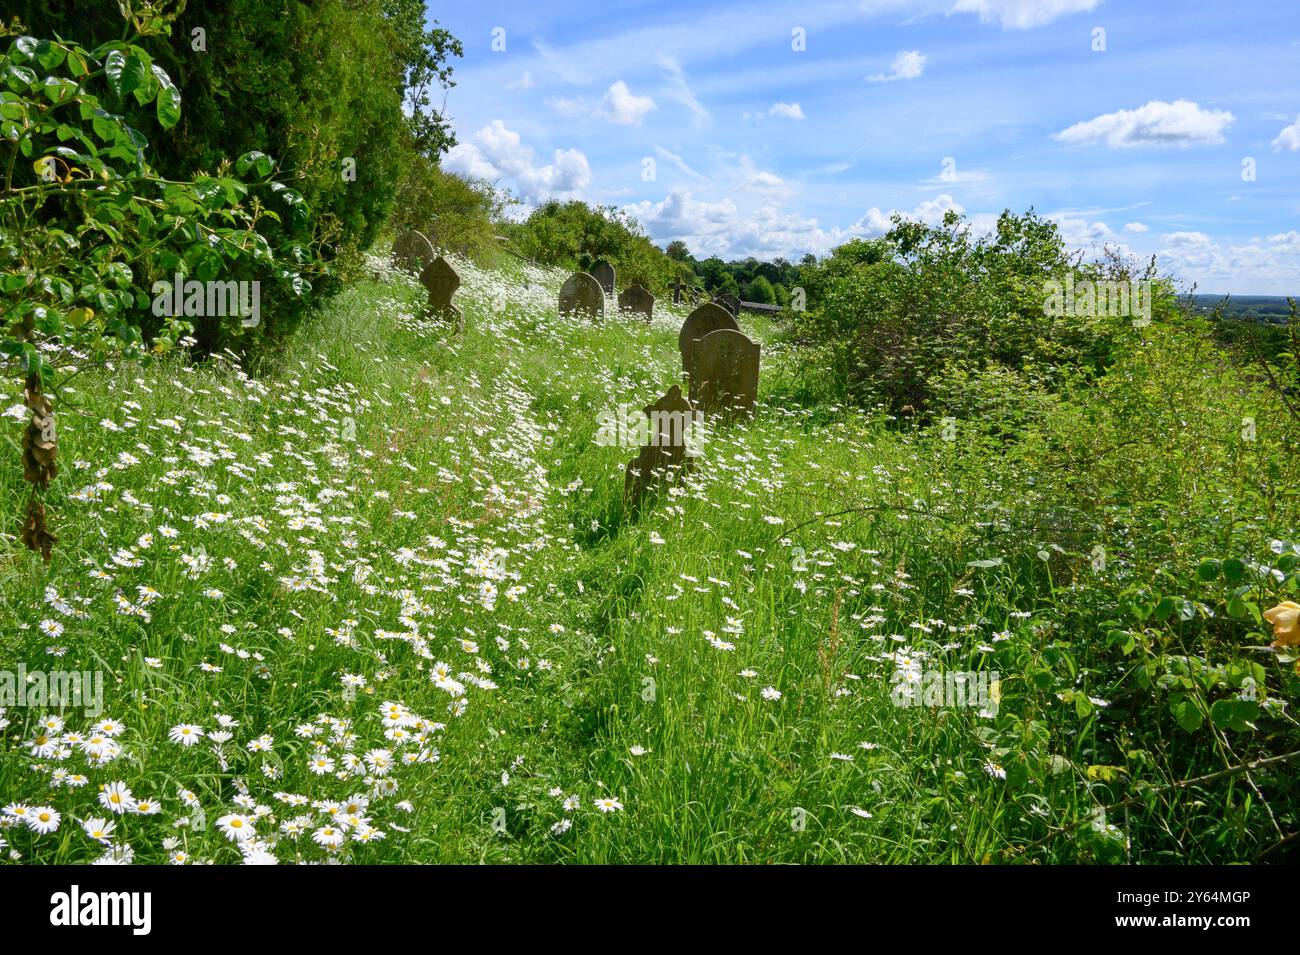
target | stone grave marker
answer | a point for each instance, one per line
(603, 273)
(724, 374)
(666, 454)
(441, 282)
(582, 293)
(708, 317)
(730, 302)
(637, 299)
(412, 251)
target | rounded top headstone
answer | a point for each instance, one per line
(413, 251)
(582, 293)
(708, 317)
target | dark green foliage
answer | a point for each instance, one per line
(317, 85)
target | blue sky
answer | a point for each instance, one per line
(709, 122)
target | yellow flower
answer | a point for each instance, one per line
(1285, 618)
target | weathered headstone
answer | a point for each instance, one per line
(441, 282)
(603, 273)
(637, 299)
(412, 251)
(708, 317)
(582, 293)
(724, 374)
(728, 301)
(667, 453)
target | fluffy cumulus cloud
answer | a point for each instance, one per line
(619, 105)
(907, 65)
(1180, 123)
(1023, 14)
(622, 106)
(722, 228)
(497, 153)
(1264, 265)
(786, 110)
(1079, 233)
(1289, 138)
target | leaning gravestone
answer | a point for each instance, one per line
(441, 282)
(412, 251)
(708, 317)
(724, 374)
(637, 299)
(582, 293)
(730, 302)
(666, 453)
(603, 273)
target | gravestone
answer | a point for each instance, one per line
(708, 317)
(637, 299)
(582, 293)
(666, 454)
(603, 273)
(724, 374)
(441, 282)
(730, 302)
(412, 251)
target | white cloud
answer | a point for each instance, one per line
(681, 165)
(497, 153)
(1023, 14)
(1135, 227)
(907, 65)
(1289, 138)
(680, 89)
(622, 106)
(1248, 267)
(1180, 123)
(764, 182)
(1288, 241)
(1079, 233)
(722, 228)
(619, 105)
(786, 110)
(524, 82)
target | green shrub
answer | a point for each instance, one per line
(318, 85)
(933, 300)
(453, 212)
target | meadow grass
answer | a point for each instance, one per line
(392, 581)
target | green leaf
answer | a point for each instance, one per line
(1235, 714)
(1187, 714)
(256, 160)
(169, 99)
(1208, 569)
(1234, 570)
(127, 72)
(49, 54)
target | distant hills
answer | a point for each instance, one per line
(1267, 308)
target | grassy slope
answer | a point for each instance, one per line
(387, 492)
